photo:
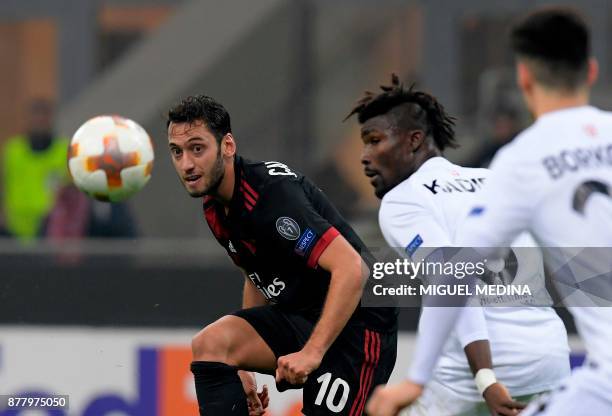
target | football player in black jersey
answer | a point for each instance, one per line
(305, 270)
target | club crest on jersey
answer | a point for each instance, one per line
(288, 228)
(305, 241)
(414, 244)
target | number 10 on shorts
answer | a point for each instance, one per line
(332, 393)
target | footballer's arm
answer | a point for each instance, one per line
(495, 394)
(478, 354)
(474, 337)
(348, 276)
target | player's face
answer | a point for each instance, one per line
(386, 157)
(196, 157)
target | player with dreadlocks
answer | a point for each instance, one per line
(424, 196)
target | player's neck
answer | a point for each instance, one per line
(225, 191)
(546, 101)
(424, 156)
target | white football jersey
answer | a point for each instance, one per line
(529, 344)
(555, 180)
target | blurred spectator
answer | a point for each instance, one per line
(34, 168)
(3, 232)
(506, 124)
(76, 216)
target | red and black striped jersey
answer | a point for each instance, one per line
(277, 226)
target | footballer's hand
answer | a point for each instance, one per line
(390, 399)
(296, 367)
(257, 402)
(500, 402)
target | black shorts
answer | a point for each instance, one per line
(359, 359)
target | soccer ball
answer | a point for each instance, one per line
(110, 158)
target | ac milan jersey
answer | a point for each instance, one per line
(277, 226)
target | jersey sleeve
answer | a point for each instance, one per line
(435, 325)
(505, 206)
(290, 223)
(409, 227)
(471, 326)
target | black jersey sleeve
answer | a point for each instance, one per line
(290, 223)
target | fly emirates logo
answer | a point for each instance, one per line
(270, 291)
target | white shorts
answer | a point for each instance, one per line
(587, 392)
(438, 400)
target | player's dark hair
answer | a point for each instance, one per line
(555, 44)
(202, 108)
(410, 109)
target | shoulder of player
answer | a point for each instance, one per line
(523, 149)
(408, 197)
(262, 172)
(398, 208)
(404, 192)
(268, 177)
(417, 189)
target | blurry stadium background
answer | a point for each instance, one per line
(109, 321)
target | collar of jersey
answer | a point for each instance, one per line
(236, 203)
(430, 163)
(563, 112)
(433, 161)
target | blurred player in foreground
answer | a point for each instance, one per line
(305, 270)
(553, 180)
(424, 197)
